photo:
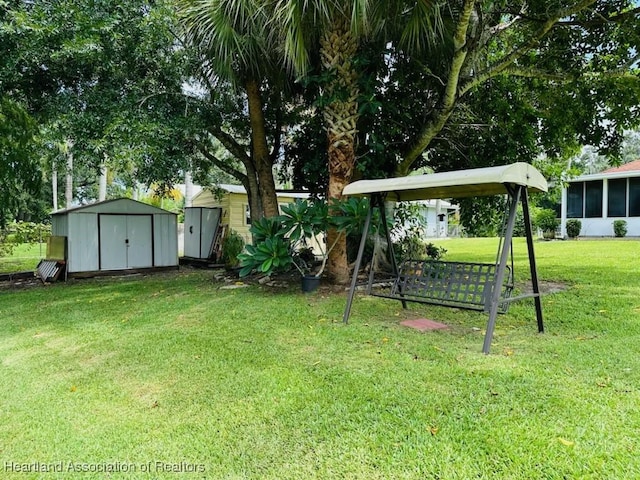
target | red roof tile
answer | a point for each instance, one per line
(627, 167)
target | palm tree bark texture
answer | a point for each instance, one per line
(337, 49)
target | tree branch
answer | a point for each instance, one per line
(595, 22)
(230, 144)
(450, 96)
(518, 52)
(622, 72)
(225, 167)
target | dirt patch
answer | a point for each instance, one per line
(546, 287)
(19, 282)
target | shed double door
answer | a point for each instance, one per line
(126, 241)
(200, 230)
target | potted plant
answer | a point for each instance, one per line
(547, 222)
(296, 238)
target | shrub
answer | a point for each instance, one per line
(573, 227)
(619, 228)
(546, 220)
(232, 246)
(29, 232)
(278, 240)
(434, 252)
(6, 247)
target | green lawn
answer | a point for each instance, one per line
(25, 258)
(269, 384)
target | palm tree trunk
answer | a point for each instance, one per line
(337, 49)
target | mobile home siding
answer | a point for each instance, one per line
(234, 207)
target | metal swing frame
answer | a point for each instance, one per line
(456, 284)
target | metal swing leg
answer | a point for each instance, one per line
(502, 265)
(356, 268)
(532, 260)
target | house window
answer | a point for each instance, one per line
(593, 199)
(617, 200)
(247, 215)
(634, 197)
(575, 194)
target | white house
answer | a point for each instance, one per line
(600, 198)
(437, 213)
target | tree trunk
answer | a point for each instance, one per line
(337, 49)
(102, 186)
(68, 191)
(188, 189)
(54, 186)
(260, 151)
(250, 183)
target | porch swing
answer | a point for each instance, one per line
(480, 286)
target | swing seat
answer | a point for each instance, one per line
(452, 284)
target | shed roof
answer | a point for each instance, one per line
(116, 205)
(239, 189)
(457, 184)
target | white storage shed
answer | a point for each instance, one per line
(120, 234)
(200, 231)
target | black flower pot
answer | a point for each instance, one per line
(310, 283)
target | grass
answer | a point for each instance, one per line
(269, 384)
(24, 258)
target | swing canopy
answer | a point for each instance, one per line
(477, 182)
(455, 284)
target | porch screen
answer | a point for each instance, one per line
(617, 199)
(634, 197)
(574, 200)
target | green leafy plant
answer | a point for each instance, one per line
(435, 252)
(266, 227)
(271, 254)
(30, 232)
(620, 228)
(573, 227)
(547, 222)
(6, 247)
(408, 230)
(232, 246)
(284, 241)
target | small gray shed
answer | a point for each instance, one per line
(118, 234)
(200, 231)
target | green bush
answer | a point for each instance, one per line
(232, 246)
(278, 240)
(546, 220)
(573, 227)
(29, 232)
(6, 247)
(620, 228)
(434, 252)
